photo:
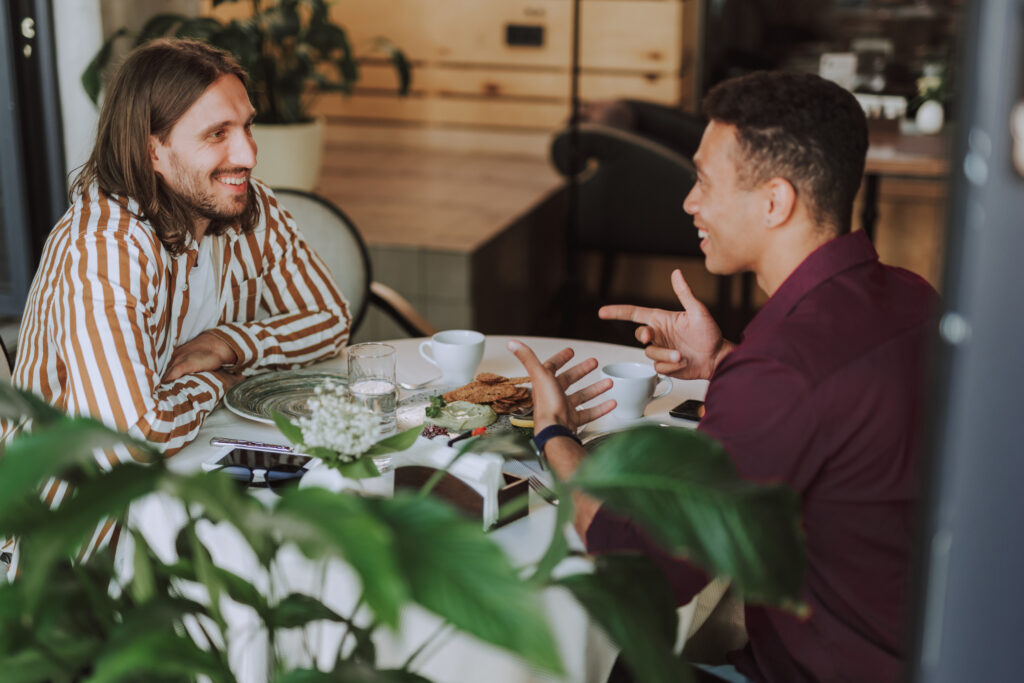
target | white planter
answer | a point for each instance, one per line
(930, 117)
(289, 154)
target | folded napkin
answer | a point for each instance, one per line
(479, 471)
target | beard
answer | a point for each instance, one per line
(194, 189)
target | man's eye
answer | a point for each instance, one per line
(217, 134)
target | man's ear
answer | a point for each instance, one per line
(156, 153)
(781, 198)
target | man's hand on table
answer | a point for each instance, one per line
(552, 405)
(207, 352)
(685, 344)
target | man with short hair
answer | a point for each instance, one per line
(174, 273)
(823, 393)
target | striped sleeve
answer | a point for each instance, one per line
(309, 318)
(110, 334)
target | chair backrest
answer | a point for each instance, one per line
(631, 192)
(333, 236)
(5, 363)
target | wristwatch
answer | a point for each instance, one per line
(550, 432)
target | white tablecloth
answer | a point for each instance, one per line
(586, 652)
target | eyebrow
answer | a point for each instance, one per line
(222, 124)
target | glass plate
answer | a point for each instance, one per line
(284, 391)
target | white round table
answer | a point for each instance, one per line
(586, 653)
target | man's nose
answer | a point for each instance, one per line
(690, 204)
(243, 151)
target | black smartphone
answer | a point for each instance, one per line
(691, 409)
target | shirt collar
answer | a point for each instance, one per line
(822, 264)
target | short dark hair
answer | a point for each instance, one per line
(802, 128)
(152, 89)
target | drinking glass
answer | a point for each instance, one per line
(371, 381)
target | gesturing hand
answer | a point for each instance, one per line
(205, 352)
(551, 403)
(687, 344)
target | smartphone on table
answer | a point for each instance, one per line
(691, 409)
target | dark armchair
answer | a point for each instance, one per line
(630, 196)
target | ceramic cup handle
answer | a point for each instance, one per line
(424, 346)
(668, 388)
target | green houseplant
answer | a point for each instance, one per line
(293, 52)
(63, 620)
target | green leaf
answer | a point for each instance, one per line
(681, 487)
(351, 672)
(148, 653)
(200, 28)
(158, 26)
(32, 666)
(91, 77)
(396, 442)
(459, 573)
(297, 610)
(321, 522)
(632, 601)
(290, 431)
(143, 584)
(404, 70)
(362, 468)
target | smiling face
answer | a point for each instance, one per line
(209, 153)
(727, 215)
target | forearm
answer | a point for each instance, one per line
(564, 456)
(287, 340)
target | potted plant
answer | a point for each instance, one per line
(293, 52)
(165, 618)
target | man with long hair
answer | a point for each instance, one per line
(823, 393)
(174, 273)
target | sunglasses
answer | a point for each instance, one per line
(262, 469)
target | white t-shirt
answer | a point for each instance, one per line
(203, 295)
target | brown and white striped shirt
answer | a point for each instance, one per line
(106, 307)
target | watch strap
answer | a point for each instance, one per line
(541, 438)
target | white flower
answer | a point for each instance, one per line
(339, 424)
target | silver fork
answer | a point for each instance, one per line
(543, 490)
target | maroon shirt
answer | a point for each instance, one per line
(825, 393)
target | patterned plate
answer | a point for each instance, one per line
(285, 391)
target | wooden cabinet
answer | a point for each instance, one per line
(506, 63)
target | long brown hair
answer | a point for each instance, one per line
(152, 89)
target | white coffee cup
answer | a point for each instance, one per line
(456, 352)
(633, 386)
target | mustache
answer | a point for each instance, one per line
(229, 171)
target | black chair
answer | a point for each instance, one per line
(335, 238)
(6, 367)
(629, 201)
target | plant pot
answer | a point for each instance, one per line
(930, 117)
(289, 154)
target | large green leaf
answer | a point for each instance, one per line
(632, 601)
(396, 442)
(50, 536)
(18, 404)
(31, 459)
(459, 573)
(92, 76)
(146, 654)
(296, 610)
(351, 672)
(682, 488)
(324, 523)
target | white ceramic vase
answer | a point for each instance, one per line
(289, 155)
(930, 117)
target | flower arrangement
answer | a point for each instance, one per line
(342, 433)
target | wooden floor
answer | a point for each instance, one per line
(453, 201)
